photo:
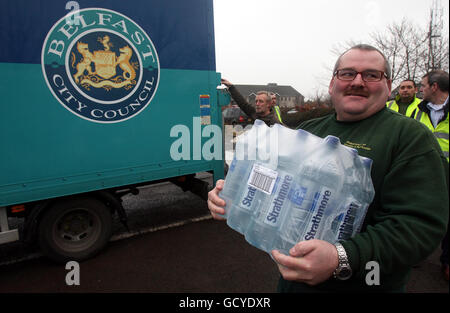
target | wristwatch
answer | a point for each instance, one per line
(343, 271)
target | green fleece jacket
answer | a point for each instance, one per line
(408, 216)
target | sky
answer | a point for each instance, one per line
(291, 42)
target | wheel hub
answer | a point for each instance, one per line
(75, 226)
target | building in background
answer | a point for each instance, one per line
(287, 96)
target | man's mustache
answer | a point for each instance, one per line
(356, 92)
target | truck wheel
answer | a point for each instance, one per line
(75, 229)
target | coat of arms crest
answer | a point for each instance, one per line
(98, 69)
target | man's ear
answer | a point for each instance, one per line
(330, 86)
(434, 87)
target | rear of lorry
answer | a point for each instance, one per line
(97, 98)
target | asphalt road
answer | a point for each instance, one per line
(174, 247)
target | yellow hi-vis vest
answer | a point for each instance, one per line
(277, 111)
(409, 111)
(440, 132)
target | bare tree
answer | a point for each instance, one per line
(437, 57)
(412, 51)
(404, 47)
(319, 98)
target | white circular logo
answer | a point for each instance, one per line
(100, 65)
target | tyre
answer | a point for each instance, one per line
(74, 229)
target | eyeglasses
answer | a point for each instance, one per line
(367, 75)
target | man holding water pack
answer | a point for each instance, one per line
(407, 218)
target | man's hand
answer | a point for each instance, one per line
(215, 203)
(226, 82)
(311, 262)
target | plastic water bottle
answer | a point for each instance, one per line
(366, 180)
(302, 202)
(357, 194)
(341, 226)
(367, 192)
(264, 225)
(238, 212)
(234, 187)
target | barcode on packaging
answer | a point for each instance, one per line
(262, 178)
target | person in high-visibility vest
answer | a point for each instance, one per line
(433, 112)
(275, 107)
(406, 101)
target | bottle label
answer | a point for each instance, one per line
(346, 227)
(322, 199)
(247, 200)
(279, 201)
(262, 178)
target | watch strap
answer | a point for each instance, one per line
(343, 263)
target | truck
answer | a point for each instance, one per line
(98, 98)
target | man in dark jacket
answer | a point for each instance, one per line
(263, 104)
(408, 216)
(266, 111)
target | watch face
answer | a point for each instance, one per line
(344, 273)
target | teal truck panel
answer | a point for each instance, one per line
(91, 105)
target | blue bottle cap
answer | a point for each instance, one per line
(367, 162)
(302, 133)
(332, 140)
(258, 123)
